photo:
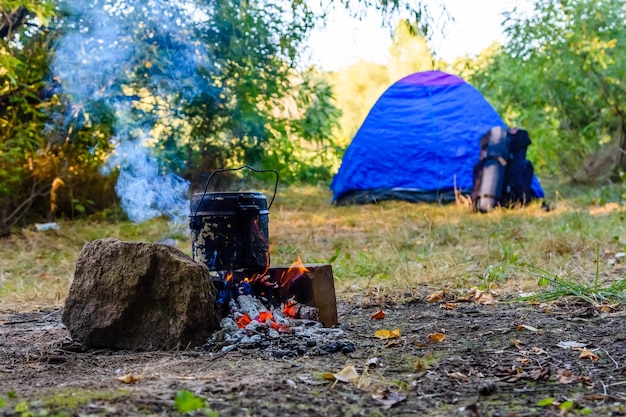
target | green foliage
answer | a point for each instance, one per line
(187, 402)
(544, 402)
(560, 76)
(35, 148)
(218, 84)
(209, 90)
(269, 113)
(23, 64)
(593, 293)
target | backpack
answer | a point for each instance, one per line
(519, 171)
(503, 175)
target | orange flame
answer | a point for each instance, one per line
(296, 270)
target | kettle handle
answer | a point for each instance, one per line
(206, 187)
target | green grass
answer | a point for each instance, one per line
(57, 404)
(395, 250)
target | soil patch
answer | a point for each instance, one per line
(504, 359)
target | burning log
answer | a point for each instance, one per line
(300, 311)
(313, 288)
(299, 300)
(310, 286)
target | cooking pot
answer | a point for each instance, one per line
(230, 229)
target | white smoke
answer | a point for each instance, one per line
(99, 49)
(144, 191)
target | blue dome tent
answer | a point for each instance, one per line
(419, 142)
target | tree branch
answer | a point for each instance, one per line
(23, 207)
(12, 21)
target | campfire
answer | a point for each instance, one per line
(230, 235)
(280, 300)
(288, 293)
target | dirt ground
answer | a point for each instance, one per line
(501, 359)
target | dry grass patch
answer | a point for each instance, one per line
(389, 252)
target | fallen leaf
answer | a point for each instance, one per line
(449, 306)
(380, 314)
(586, 380)
(129, 378)
(460, 376)
(518, 344)
(529, 328)
(570, 344)
(587, 354)
(538, 351)
(482, 297)
(436, 337)
(388, 398)
(608, 308)
(435, 297)
(364, 381)
(419, 365)
(565, 376)
(328, 375)
(347, 374)
(523, 361)
(539, 373)
(387, 334)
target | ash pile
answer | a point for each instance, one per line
(277, 314)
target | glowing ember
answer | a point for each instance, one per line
(296, 310)
(243, 321)
(253, 300)
(266, 315)
(291, 309)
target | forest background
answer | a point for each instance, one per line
(131, 103)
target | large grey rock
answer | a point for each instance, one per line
(139, 296)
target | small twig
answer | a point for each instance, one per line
(614, 361)
(194, 378)
(218, 355)
(21, 321)
(604, 388)
(431, 395)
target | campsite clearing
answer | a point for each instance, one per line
(447, 278)
(499, 360)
